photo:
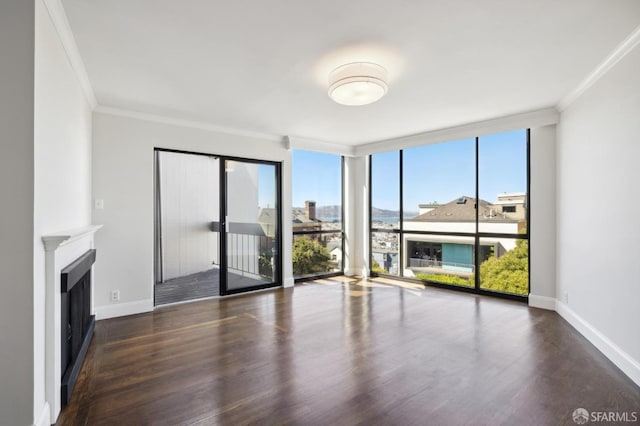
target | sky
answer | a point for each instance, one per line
(316, 177)
(438, 172)
(445, 171)
(266, 185)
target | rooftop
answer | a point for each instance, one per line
(462, 209)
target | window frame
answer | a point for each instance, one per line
(327, 231)
(477, 235)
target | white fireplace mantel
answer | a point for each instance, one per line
(61, 248)
(53, 241)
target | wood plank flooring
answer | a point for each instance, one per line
(190, 287)
(344, 352)
(199, 286)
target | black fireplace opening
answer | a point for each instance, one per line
(77, 322)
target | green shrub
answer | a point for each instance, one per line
(445, 279)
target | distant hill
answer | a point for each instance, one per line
(376, 212)
(322, 212)
(328, 211)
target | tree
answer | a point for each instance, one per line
(508, 273)
(309, 256)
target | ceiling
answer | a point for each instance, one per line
(262, 65)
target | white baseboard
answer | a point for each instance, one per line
(620, 358)
(44, 419)
(123, 309)
(542, 302)
(288, 282)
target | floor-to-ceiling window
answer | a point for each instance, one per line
(317, 214)
(438, 211)
(385, 213)
(503, 229)
(454, 213)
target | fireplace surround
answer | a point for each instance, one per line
(62, 249)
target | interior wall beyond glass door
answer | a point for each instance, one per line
(252, 225)
(187, 227)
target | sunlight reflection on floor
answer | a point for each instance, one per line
(358, 287)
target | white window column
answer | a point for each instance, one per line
(356, 215)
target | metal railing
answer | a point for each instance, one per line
(428, 263)
(250, 255)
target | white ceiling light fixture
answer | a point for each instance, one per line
(358, 83)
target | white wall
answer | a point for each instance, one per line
(123, 178)
(598, 235)
(62, 195)
(45, 174)
(16, 213)
(542, 229)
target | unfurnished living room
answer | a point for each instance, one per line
(316, 213)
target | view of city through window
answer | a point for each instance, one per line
(317, 214)
(439, 218)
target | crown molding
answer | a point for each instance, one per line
(622, 50)
(192, 124)
(537, 118)
(61, 24)
(307, 144)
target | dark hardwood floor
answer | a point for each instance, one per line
(345, 352)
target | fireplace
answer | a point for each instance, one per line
(65, 249)
(76, 321)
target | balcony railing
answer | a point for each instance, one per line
(251, 255)
(437, 264)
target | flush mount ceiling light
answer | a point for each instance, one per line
(358, 83)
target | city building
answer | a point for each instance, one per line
(455, 254)
(306, 220)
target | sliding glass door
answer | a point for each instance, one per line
(217, 225)
(252, 225)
